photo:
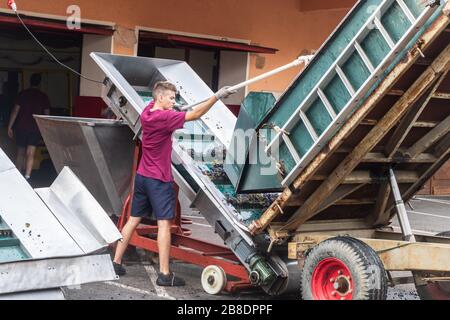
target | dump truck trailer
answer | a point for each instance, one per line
(328, 165)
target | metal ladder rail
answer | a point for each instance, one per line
(351, 90)
(406, 11)
(326, 103)
(342, 76)
(309, 126)
(330, 72)
(422, 18)
(384, 33)
(364, 56)
(353, 45)
(345, 81)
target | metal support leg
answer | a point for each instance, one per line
(401, 209)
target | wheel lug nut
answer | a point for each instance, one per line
(332, 280)
(334, 293)
(340, 272)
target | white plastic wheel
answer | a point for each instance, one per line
(214, 279)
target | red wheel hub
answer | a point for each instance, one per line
(331, 280)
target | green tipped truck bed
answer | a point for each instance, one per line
(345, 127)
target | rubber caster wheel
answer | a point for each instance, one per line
(214, 279)
(438, 290)
(343, 268)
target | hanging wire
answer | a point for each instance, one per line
(51, 55)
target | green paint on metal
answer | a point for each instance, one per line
(414, 6)
(10, 249)
(335, 46)
(257, 104)
(246, 211)
(375, 47)
(267, 178)
(286, 158)
(146, 96)
(11, 254)
(411, 44)
(3, 225)
(356, 71)
(193, 126)
(253, 110)
(395, 22)
(261, 174)
(319, 117)
(9, 242)
(337, 94)
(303, 141)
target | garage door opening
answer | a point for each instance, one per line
(21, 56)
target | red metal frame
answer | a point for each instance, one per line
(55, 25)
(184, 247)
(227, 45)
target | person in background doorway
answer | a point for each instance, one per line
(3, 104)
(22, 125)
(6, 101)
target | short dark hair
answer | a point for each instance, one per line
(35, 79)
(162, 86)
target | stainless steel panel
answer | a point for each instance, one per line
(39, 232)
(80, 234)
(51, 294)
(53, 273)
(100, 152)
(77, 226)
(128, 73)
(78, 211)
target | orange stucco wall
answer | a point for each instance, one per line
(292, 26)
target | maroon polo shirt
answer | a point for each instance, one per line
(157, 129)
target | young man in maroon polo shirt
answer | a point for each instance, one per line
(22, 125)
(154, 190)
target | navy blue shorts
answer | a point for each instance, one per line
(25, 139)
(153, 198)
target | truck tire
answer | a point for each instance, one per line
(439, 290)
(343, 268)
